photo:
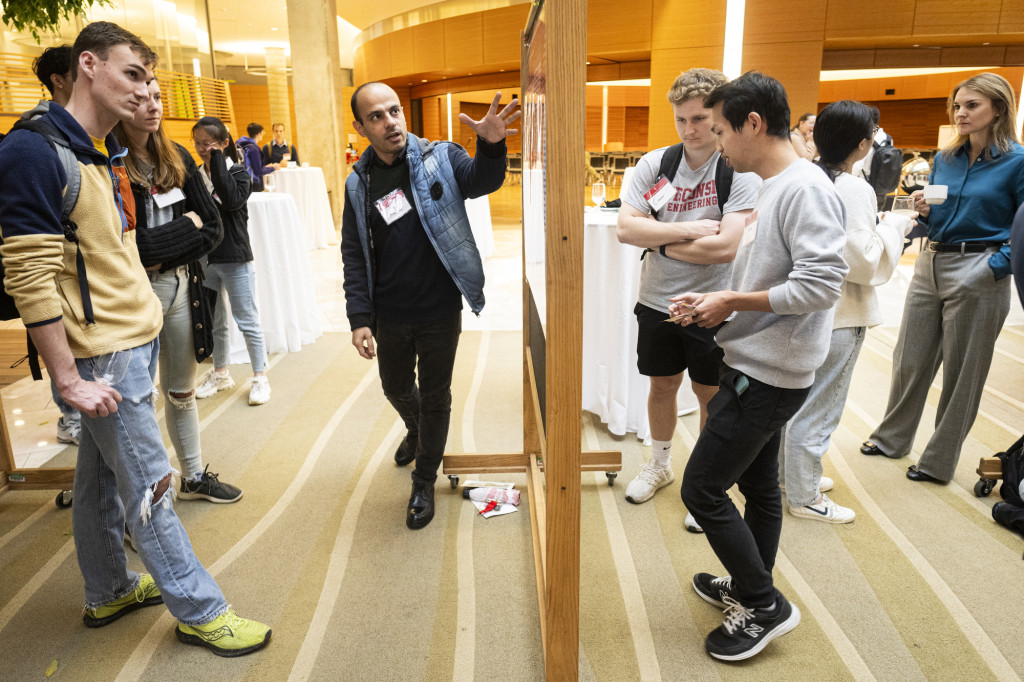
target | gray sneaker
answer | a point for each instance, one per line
(68, 430)
(209, 488)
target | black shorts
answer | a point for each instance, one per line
(664, 349)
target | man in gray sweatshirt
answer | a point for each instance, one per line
(786, 279)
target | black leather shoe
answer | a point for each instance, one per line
(915, 474)
(869, 448)
(406, 451)
(421, 505)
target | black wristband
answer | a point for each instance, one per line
(661, 250)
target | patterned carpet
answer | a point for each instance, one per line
(914, 589)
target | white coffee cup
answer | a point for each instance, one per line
(935, 194)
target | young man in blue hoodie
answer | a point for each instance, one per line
(409, 259)
(252, 157)
(785, 281)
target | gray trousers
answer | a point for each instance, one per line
(954, 311)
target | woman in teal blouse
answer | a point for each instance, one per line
(960, 293)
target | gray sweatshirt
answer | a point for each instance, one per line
(793, 247)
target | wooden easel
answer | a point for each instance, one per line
(552, 457)
(13, 478)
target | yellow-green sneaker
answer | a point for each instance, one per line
(146, 594)
(226, 635)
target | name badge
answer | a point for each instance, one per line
(659, 194)
(165, 199)
(749, 229)
(393, 206)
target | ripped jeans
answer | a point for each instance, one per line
(121, 459)
(178, 368)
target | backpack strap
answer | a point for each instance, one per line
(670, 161)
(723, 182)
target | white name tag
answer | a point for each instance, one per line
(393, 206)
(167, 198)
(749, 229)
(658, 195)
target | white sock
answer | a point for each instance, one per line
(661, 453)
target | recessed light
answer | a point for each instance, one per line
(588, 63)
(16, 410)
(984, 43)
(274, 28)
(19, 422)
(423, 81)
(915, 44)
(41, 444)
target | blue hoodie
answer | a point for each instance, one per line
(252, 159)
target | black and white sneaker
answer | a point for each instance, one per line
(209, 487)
(714, 590)
(746, 632)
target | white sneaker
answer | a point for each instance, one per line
(68, 431)
(691, 524)
(826, 510)
(213, 382)
(825, 484)
(647, 482)
(259, 391)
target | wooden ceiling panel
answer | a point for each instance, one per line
(403, 52)
(876, 18)
(907, 57)
(427, 40)
(609, 31)
(683, 22)
(955, 16)
(783, 21)
(963, 56)
(502, 29)
(464, 42)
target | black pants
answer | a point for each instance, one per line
(740, 444)
(426, 406)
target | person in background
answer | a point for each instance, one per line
(960, 293)
(170, 195)
(278, 151)
(785, 282)
(229, 269)
(53, 69)
(409, 258)
(691, 241)
(97, 334)
(252, 159)
(802, 137)
(843, 134)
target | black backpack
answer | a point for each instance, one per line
(59, 143)
(886, 168)
(1010, 512)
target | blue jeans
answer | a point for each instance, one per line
(805, 439)
(121, 459)
(740, 445)
(178, 368)
(237, 281)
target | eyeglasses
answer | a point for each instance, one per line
(874, 131)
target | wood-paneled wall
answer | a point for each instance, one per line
(252, 104)
(912, 123)
(908, 87)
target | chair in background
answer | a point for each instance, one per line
(514, 168)
(619, 165)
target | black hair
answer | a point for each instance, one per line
(53, 61)
(875, 114)
(355, 99)
(838, 132)
(215, 128)
(254, 129)
(753, 92)
(99, 36)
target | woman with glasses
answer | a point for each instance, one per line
(960, 293)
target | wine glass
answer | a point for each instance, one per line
(904, 205)
(111, 369)
(269, 183)
(597, 193)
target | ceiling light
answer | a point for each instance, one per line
(856, 74)
(274, 28)
(16, 410)
(19, 422)
(41, 444)
(423, 81)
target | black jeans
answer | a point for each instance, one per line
(740, 444)
(425, 408)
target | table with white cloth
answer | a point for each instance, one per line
(285, 294)
(479, 212)
(307, 186)
(613, 388)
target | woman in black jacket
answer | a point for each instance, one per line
(177, 223)
(229, 269)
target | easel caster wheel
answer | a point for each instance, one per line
(611, 477)
(64, 499)
(983, 487)
(454, 480)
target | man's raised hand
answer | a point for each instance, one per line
(492, 126)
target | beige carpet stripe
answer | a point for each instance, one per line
(314, 639)
(465, 628)
(21, 527)
(135, 666)
(37, 581)
(828, 624)
(974, 633)
(632, 594)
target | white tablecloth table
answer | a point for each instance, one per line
(285, 294)
(613, 389)
(306, 185)
(479, 212)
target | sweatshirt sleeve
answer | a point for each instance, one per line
(482, 174)
(33, 239)
(873, 248)
(815, 236)
(233, 189)
(356, 277)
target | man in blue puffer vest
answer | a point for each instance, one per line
(409, 259)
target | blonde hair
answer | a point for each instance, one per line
(1004, 103)
(695, 83)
